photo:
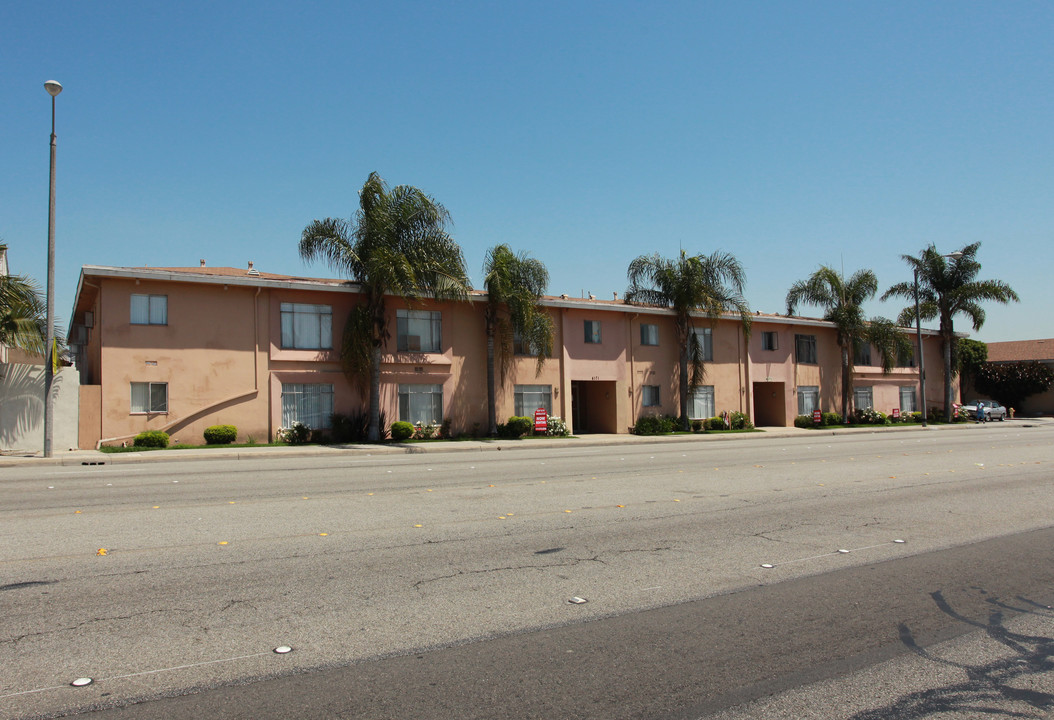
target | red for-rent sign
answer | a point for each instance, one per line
(816, 416)
(541, 420)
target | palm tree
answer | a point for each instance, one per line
(842, 302)
(712, 285)
(514, 284)
(397, 244)
(22, 313)
(945, 290)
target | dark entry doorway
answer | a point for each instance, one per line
(593, 406)
(770, 406)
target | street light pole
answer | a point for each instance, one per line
(53, 88)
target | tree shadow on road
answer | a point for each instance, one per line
(992, 689)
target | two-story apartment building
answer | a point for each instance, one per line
(180, 349)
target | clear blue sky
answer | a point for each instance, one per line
(790, 134)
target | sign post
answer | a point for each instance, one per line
(541, 421)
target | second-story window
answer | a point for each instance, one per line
(805, 349)
(862, 356)
(307, 327)
(419, 331)
(649, 334)
(770, 340)
(150, 309)
(592, 332)
(705, 336)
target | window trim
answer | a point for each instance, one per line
(801, 391)
(592, 332)
(702, 390)
(150, 398)
(656, 391)
(150, 299)
(404, 390)
(810, 343)
(518, 402)
(649, 334)
(705, 336)
(297, 388)
(325, 340)
(434, 318)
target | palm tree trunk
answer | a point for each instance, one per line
(847, 384)
(492, 409)
(684, 385)
(374, 433)
(949, 338)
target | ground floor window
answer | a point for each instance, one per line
(650, 395)
(421, 404)
(863, 398)
(701, 402)
(307, 403)
(907, 400)
(808, 399)
(149, 397)
(529, 398)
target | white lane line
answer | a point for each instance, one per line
(140, 674)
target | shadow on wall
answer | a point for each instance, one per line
(21, 406)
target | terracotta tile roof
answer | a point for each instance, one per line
(1021, 350)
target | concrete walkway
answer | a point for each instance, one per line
(95, 457)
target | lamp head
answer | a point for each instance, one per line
(53, 87)
(955, 255)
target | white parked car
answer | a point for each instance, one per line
(992, 410)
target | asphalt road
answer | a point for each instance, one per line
(438, 586)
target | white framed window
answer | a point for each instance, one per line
(805, 349)
(808, 399)
(149, 310)
(650, 396)
(863, 397)
(705, 336)
(419, 331)
(592, 328)
(770, 340)
(307, 403)
(649, 334)
(701, 403)
(907, 399)
(421, 404)
(149, 397)
(528, 398)
(307, 327)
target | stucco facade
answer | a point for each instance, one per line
(180, 349)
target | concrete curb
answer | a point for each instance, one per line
(94, 457)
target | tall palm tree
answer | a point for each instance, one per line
(842, 302)
(22, 313)
(707, 284)
(515, 284)
(397, 244)
(947, 289)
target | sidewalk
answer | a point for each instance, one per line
(95, 457)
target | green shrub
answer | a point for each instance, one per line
(655, 425)
(868, 416)
(698, 425)
(803, 421)
(740, 421)
(516, 427)
(220, 434)
(444, 429)
(830, 418)
(402, 430)
(151, 438)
